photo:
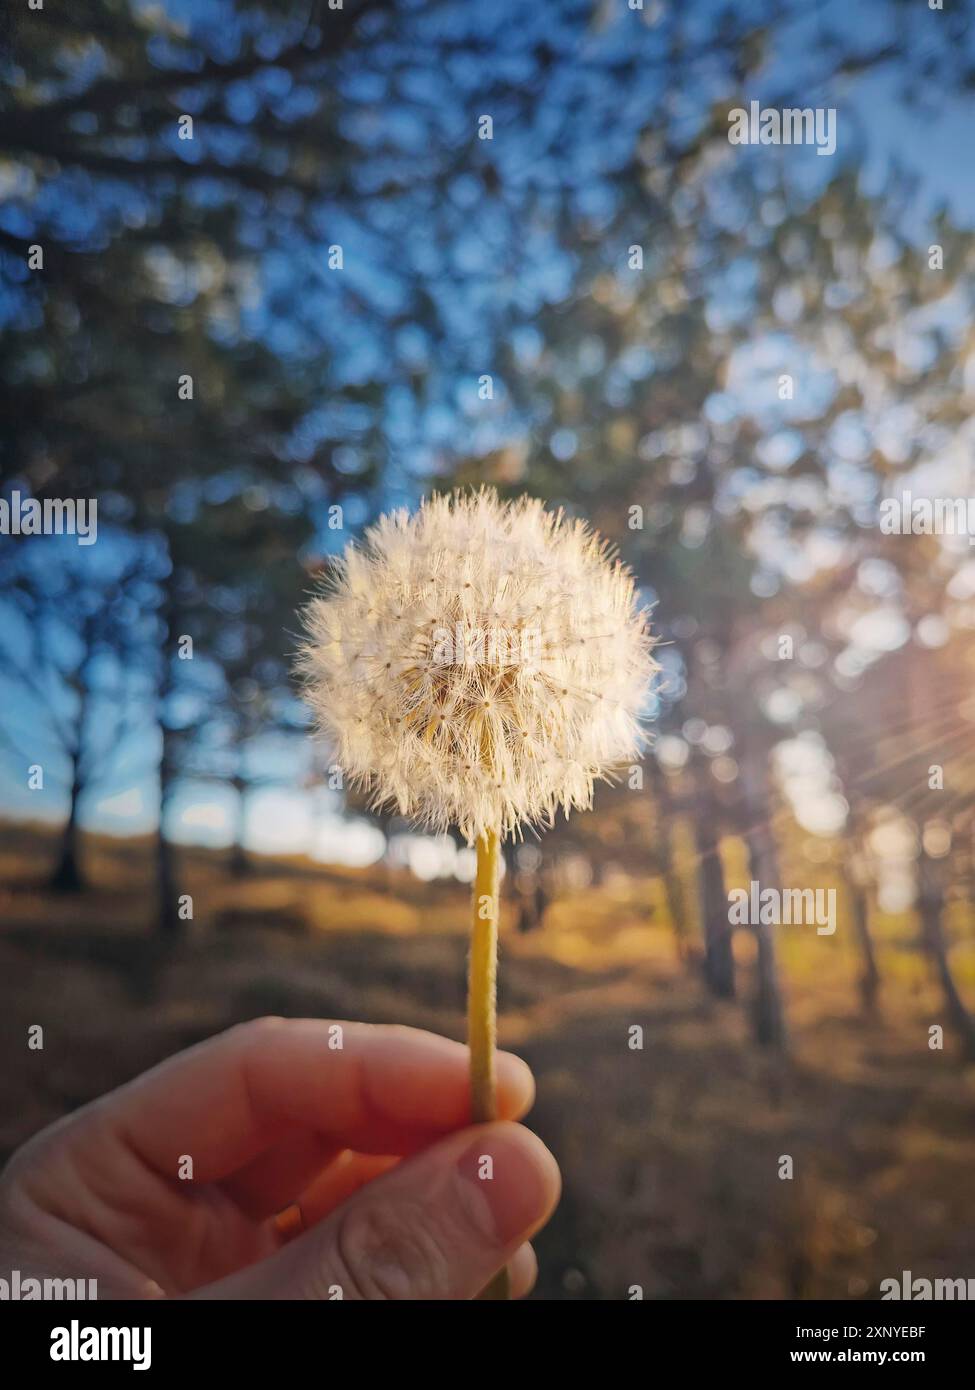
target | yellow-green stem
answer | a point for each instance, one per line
(482, 980)
(482, 1001)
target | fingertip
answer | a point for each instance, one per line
(521, 1183)
(523, 1271)
(516, 1086)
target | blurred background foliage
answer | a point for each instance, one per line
(284, 286)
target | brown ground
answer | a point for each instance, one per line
(670, 1154)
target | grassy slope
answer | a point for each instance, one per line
(670, 1154)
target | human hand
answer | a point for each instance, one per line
(317, 1173)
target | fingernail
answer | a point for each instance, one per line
(515, 1175)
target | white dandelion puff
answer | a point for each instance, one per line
(479, 663)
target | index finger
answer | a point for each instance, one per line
(373, 1088)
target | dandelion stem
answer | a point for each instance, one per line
(482, 979)
(482, 1001)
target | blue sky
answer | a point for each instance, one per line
(932, 138)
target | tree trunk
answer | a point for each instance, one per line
(239, 863)
(931, 907)
(856, 879)
(67, 876)
(532, 902)
(168, 920)
(167, 897)
(869, 982)
(719, 964)
(763, 862)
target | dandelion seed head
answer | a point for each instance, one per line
(478, 663)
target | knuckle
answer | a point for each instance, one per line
(391, 1251)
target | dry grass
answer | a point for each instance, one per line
(670, 1154)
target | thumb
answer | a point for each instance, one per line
(437, 1226)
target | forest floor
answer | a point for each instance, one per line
(671, 1154)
